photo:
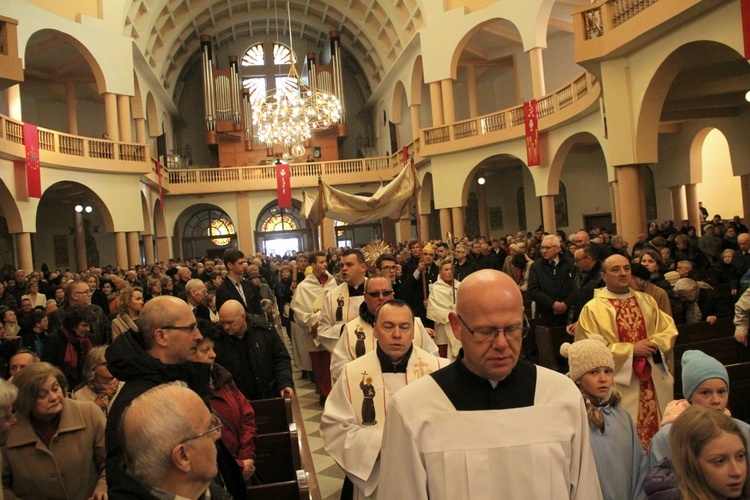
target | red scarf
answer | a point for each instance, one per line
(74, 352)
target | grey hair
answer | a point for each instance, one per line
(193, 285)
(148, 442)
(554, 238)
(685, 285)
(463, 246)
(8, 393)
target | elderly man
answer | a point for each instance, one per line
(78, 293)
(306, 305)
(551, 284)
(587, 279)
(489, 424)
(183, 276)
(358, 337)
(442, 301)
(174, 455)
(415, 288)
(352, 423)
(740, 263)
(20, 360)
(254, 354)
(641, 338)
(700, 304)
(162, 350)
(462, 267)
(195, 295)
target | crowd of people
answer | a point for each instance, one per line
(425, 332)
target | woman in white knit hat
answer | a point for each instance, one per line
(614, 438)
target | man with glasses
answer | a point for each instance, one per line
(357, 337)
(551, 284)
(587, 279)
(352, 423)
(174, 455)
(386, 265)
(78, 293)
(161, 351)
(489, 424)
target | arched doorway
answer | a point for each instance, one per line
(280, 231)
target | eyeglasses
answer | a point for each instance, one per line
(188, 328)
(388, 268)
(489, 334)
(384, 293)
(215, 427)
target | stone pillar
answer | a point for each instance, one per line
(549, 221)
(471, 87)
(134, 249)
(629, 222)
(110, 116)
(71, 107)
(614, 189)
(458, 222)
(404, 228)
(328, 234)
(679, 210)
(691, 198)
(140, 130)
(123, 115)
(446, 225)
(148, 248)
(243, 224)
(389, 231)
(537, 72)
(23, 249)
(162, 248)
(436, 104)
(424, 222)
(745, 186)
(415, 120)
(484, 217)
(449, 109)
(13, 96)
(79, 243)
(121, 249)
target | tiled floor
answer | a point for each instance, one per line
(330, 476)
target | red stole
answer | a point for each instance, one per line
(632, 328)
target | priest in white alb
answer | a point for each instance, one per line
(441, 302)
(352, 423)
(358, 338)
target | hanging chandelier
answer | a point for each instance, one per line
(289, 114)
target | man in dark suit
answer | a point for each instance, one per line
(235, 287)
(740, 264)
(195, 295)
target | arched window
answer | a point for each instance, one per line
(214, 225)
(254, 56)
(259, 74)
(281, 231)
(272, 219)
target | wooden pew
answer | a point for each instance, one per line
(717, 341)
(548, 342)
(283, 461)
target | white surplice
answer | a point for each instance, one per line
(329, 329)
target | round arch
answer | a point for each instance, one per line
(280, 231)
(10, 210)
(205, 230)
(146, 215)
(152, 116)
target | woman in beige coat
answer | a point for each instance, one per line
(129, 307)
(56, 449)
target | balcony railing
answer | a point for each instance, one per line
(65, 150)
(610, 14)
(508, 123)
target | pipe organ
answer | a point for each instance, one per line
(229, 112)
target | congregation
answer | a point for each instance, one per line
(426, 333)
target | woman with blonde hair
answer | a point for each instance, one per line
(129, 308)
(56, 449)
(709, 455)
(100, 387)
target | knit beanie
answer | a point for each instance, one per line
(698, 366)
(586, 355)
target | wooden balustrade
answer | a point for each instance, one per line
(604, 16)
(71, 145)
(14, 131)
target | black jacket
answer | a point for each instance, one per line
(129, 362)
(412, 291)
(584, 284)
(258, 362)
(227, 291)
(101, 330)
(548, 285)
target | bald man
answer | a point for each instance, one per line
(463, 431)
(253, 353)
(602, 251)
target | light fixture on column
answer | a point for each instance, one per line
(88, 209)
(481, 181)
(80, 208)
(747, 96)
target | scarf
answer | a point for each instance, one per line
(104, 394)
(75, 351)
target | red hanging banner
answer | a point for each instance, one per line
(405, 154)
(33, 174)
(283, 186)
(532, 134)
(745, 12)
